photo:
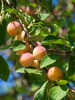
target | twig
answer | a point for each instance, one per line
(2, 10)
(27, 33)
(11, 4)
(62, 53)
(24, 28)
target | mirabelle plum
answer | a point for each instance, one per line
(14, 28)
(39, 52)
(55, 73)
(36, 63)
(26, 59)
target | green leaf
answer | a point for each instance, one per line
(29, 71)
(55, 40)
(3, 32)
(4, 69)
(41, 93)
(18, 45)
(5, 47)
(34, 87)
(35, 77)
(64, 65)
(51, 37)
(73, 1)
(43, 16)
(72, 77)
(20, 70)
(46, 61)
(72, 65)
(11, 11)
(62, 82)
(58, 41)
(36, 80)
(58, 93)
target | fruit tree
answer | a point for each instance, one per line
(41, 36)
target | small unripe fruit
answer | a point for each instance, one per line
(38, 43)
(14, 28)
(36, 63)
(20, 36)
(26, 59)
(55, 73)
(23, 35)
(39, 52)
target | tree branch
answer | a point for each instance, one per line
(2, 10)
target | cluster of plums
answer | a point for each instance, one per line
(32, 58)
